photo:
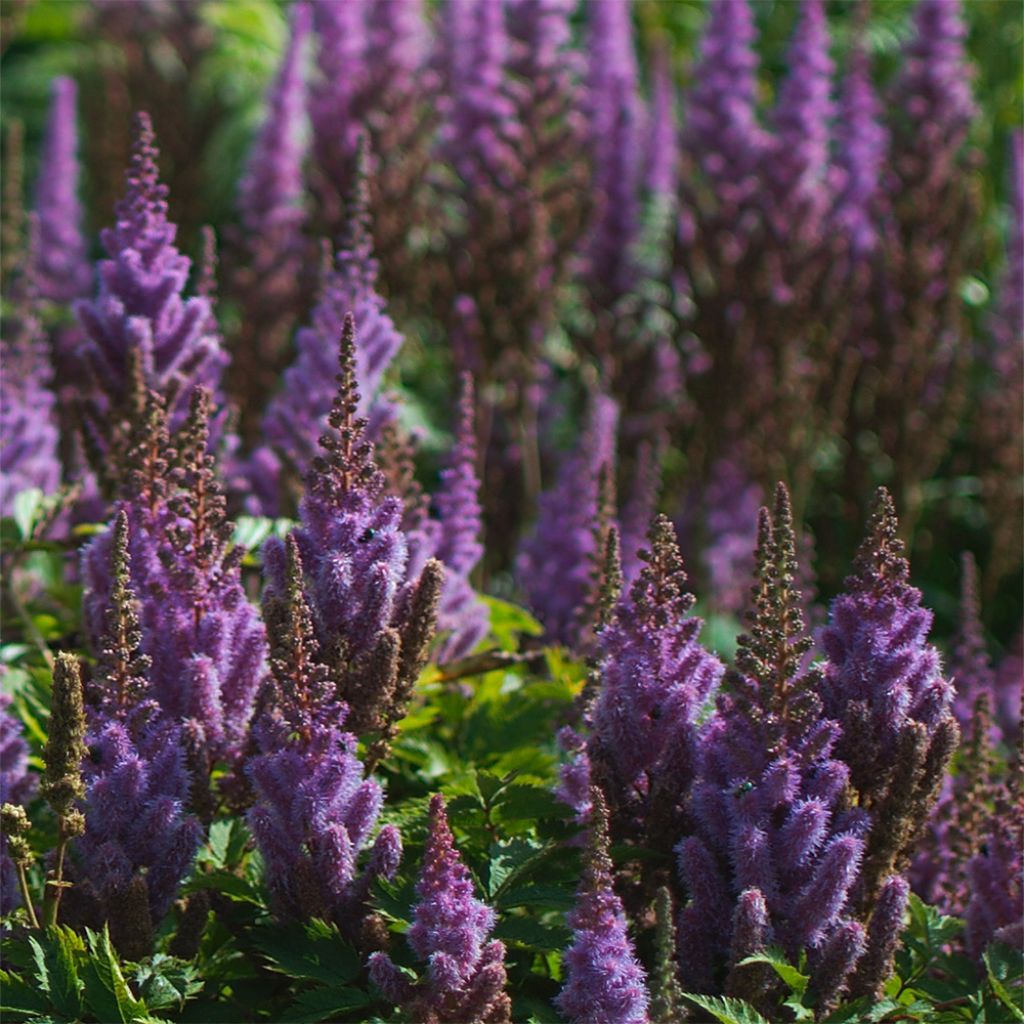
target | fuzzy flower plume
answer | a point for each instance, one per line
(616, 143)
(372, 624)
(462, 616)
(29, 437)
(139, 838)
(883, 682)
(16, 787)
(63, 272)
(654, 679)
(314, 811)
(723, 133)
(205, 641)
(775, 855)
(465, 976)
(297, 416)
(141, 325)
(604, 981)
(799, 162)
(267, 252)
(861, 147)
(558, 563)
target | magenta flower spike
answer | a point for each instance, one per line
(465, 976)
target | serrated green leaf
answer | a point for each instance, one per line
(726, 1010)
(539, 897)
(316, 952)
(776, 959)
(322, 1003)
(41, 965)
(106, 991)
(165, 981)
(17, 996)
(529, 932)
(864, 1009)
(508, 622)
(62, 948)
(509, 861)
(521, 801)
(995, 964)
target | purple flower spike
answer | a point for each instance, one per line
(465, 977)
(722, 130)
(862, 144)
(557, 565)
(140, 315)
(662, 130)
(63, 272)
(970, 666)
(29, 435)
(271, 191)
(655, 679)
(314, 811)
(799, 163)
(1008, 327)
(605, 983)
(995, 878)
(462, 616)
(297, 416)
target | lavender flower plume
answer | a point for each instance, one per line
(934, 86)
(16, 787)
(462, 616)
(29, 437)
(768, 799)
(604, 983)
(884, 684)
(654, 680)
(297, 415)
(662, 130)
(883, 938)
(861, 147)
(465, 977)
(270, 192)
(995, 877)
(1008, 326)
(616, 143)
(139, 840)
(557, 563)
(799, 162)
(722, 130)
(63, 272)
(313, 811)
(373, 624)
(970, 666)
(639, 507)
(205, 640)
(140, 312)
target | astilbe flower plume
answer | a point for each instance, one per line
(372, 624)
(206, 642)
(313, 809)
(141, 324)
(797, 170)
(16, 787)
(63, 272)
(558, 563)
(604, 981)
(139, 839)
(654, 680)
(775, 854)
(462, 617)
(29, 437)
(883, 682)
(297, 415)
(465, 976)
(269, 276)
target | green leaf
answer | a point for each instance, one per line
(315, 951)
(106, 991)
(322, 1003)
(863, 1009)
(776, 959)
(25, 510)
(529, 932)
(520, 801)
(62, 948)
(539, 897)
(997, 967)
(510, 860)
(42, 968)
(165, 981)
(508, 621)
(726, 1010)
(17, 996)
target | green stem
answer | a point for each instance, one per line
(55, 886)
(26, 896)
